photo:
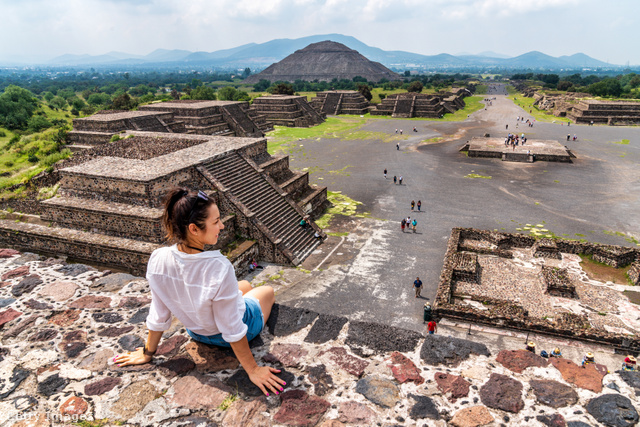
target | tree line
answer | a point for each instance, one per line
(620, 86)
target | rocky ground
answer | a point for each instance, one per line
(62, 324)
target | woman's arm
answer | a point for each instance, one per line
(138, 357)
(262, 376)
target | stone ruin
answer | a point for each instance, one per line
(108, 209)
(574, 106)
(609, 112)
(477, 264)
(222, 118)
(336, 102)
(534, 150)
(288, 110)
(411, 104)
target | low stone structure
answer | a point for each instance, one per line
(58, 341)
(223, 118)
(411, 104)
(108, 210)
(336, 102)
(609, 112)
(288, 110)
(522, 284)
(533, 150)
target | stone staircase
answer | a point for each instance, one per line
(280, 216)
(239, 121)
(404, 108)
(310, 111)
(331, 103)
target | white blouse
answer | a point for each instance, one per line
(201, 290)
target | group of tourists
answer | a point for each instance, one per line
(575, 137)
(408, 222)
(514, 139)
(629, 363)
(396, 179)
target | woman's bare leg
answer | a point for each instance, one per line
(244, 286)
(266, 297)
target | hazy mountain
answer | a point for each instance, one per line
(261, 55)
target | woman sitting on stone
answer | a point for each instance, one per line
(200, 288)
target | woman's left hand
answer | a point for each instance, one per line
(264, 377)
(132, 358)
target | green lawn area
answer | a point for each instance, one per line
(539, 115)
(33, 153)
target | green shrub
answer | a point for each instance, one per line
(115, 138)
(32, 158)
(2, 133)
(51, 159)
(8, 163)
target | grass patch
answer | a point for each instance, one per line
(343, 234)
(602, 272)
(432, 140)
(621, 142)
(340, 205)
(475, 175)
(226, 403)
(281, 137)
(540, 115)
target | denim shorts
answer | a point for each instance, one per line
(253, 318)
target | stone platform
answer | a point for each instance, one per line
(62, 324)
(533, 150)
(538, 285)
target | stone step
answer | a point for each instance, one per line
(107, 217)
(130, 255)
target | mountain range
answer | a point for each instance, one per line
(261, 55)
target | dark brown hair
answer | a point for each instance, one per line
(182, 207)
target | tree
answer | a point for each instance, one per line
(17, 105)
(124, 102)
(262, 85)
(564, 85)
(203, 92)
(365, 90)
(226, 93)
(175, 94)
(407, 73)
(58, 102)
(99, 99)
(415, 86)
(281, 89)
(246, 73)
(38, 123)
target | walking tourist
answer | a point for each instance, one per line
(414, 224)
(385, 173)
(419, 205)
(417, 285)
(200, 289)
(398, 146)
(400, 180)
(413, 205)
(395, 179)
(432, 327)
(402, 224)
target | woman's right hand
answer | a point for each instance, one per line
(136, 358)
(264, 377)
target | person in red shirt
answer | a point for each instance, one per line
(432, 327)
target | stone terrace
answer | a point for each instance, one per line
(336, 102)
(609, 112)
(516, 285)
(533, 150)
(407, 105)
(286, 110)
(215, 117)
(62, 324)
(108, 210)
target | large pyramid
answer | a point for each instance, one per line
(324, 61)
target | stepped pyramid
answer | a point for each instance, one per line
(108, 209)
(324, 61)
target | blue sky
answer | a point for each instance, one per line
(43, 29)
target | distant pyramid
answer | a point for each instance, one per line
(324, 61)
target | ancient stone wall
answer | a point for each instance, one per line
(511, 315)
